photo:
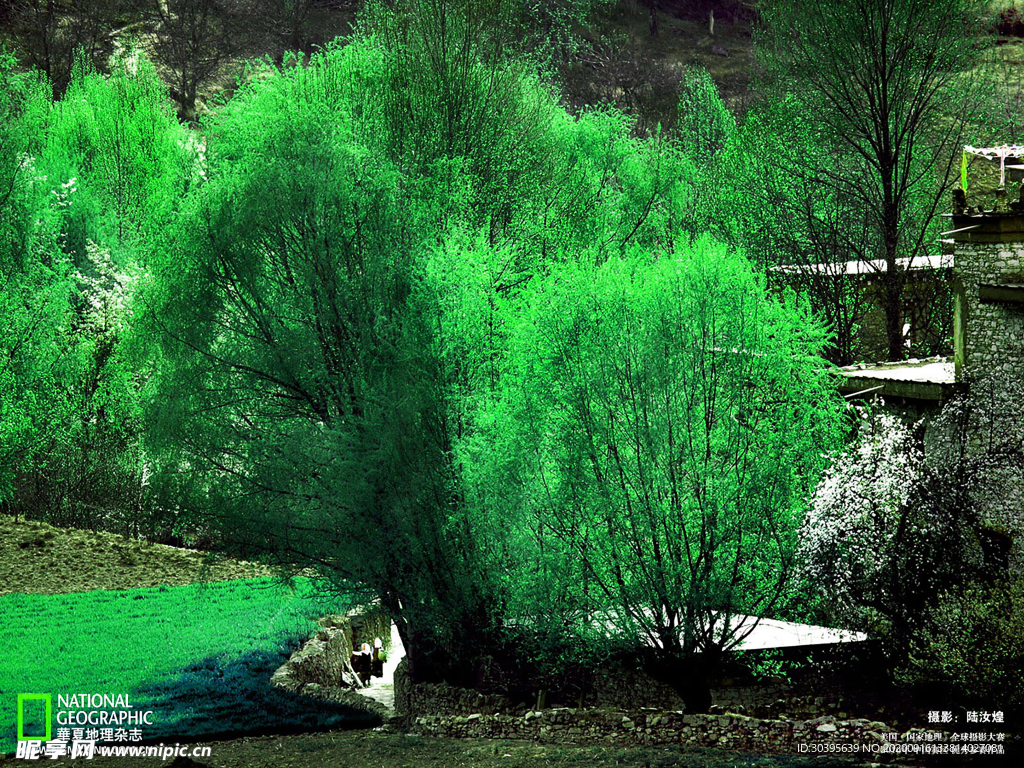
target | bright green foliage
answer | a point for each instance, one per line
(424, 330)
(117, 136)
(200, 657)
(39, 365)
(388, 244)
(707, 138)
(660, 426)
(298, 391)
(330, 304)
(93, 178)
(705, 124)
(37, 360)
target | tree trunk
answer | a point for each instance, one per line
(894, 318)
(688, 677)
(892, 282)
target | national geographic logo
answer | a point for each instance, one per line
(35, 710)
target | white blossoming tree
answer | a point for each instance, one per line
(857, 515)
(891, 527)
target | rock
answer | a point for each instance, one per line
(719, 50)
(826, 728)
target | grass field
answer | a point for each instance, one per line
(200, 657)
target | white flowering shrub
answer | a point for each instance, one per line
(857, 512)
(107, 291)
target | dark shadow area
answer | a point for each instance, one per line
(227, 698)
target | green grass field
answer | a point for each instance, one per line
(200, 657)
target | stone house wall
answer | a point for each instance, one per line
(926, 308)
(989, 345)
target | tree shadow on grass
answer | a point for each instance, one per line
(227, 697)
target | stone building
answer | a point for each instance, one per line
(849, 294)
(988, 285)
(987, 368)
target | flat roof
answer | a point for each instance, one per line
(764, 633)
(771, 633)
(847, 268)
(933, 378)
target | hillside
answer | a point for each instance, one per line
(38, 558)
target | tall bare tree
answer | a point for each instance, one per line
(51, 33)
(194, 38)
(887, 84)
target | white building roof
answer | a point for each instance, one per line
(836, 269)
(770, 633)
(932, 370)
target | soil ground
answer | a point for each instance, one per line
(36, 558)
(384, 749)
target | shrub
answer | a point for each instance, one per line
(972, 647)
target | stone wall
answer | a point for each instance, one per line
(992, 334)
(443, 710)
(322, 660)
(325, 659)
(926, 308)
(441, 698)
(619, 687)
(989, 345)
(825, 735)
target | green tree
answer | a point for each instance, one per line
(298, 388)
(705, 126)
(661, 423)
(37, 357)
(314, 297)
(886, 83)
(96, 179)
(117, 136)
(801, 231)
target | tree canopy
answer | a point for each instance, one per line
(352, 293)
